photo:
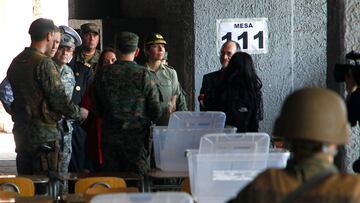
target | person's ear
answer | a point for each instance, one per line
(49, 36)
(137, 51)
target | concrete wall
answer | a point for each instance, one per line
(15, 21)
(297, 45)
(352, 25)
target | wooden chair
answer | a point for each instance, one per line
(21, 185)
(103, 190)
(8, 194)
(149, 197)
(102, 182)
(91, 192)
(185, 186)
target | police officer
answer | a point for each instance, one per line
(83, 64)
(313, 121)
(164, 75)
(39, 101)
(69, 40)
(127, 100)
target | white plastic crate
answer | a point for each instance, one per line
(235, 143)
(197, 120)
(214, 178)
(158, 197)
(277, 158)
(170, 145)
(217, 174)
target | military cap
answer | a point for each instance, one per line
(128, 39)
(69, 38)
(41, 25)
(89, 27)
(155, 38)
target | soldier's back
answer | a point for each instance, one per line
(26, 92)
(274, 184)
(121, 88)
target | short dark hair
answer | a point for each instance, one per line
(126, 49)
(40, 27)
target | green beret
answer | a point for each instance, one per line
(89, 27)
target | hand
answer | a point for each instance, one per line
(84, 113)
(171, 107)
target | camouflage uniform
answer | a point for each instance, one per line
(68, 80)
(128, 101)
(274, 184)
(167, 82)
(39, 102)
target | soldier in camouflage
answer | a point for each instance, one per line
(39, 101)
(313, 122)
(69, 40)
(128, 101)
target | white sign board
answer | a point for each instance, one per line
(250, 33)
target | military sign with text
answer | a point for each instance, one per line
(250, 33)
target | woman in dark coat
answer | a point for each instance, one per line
(239, 94)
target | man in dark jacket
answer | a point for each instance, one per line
(210, 80)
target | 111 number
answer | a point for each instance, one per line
(244, 38)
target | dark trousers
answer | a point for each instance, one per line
(40, 159)
(77, 161)
(116, 159)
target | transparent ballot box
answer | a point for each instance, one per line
(235, 143)
(195, 120)
(170, 145)
(158, 197)
(218, 175)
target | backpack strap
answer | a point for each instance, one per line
(292, 196)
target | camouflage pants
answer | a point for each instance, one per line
(65, 145)
(115, 158)
(38, 159)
